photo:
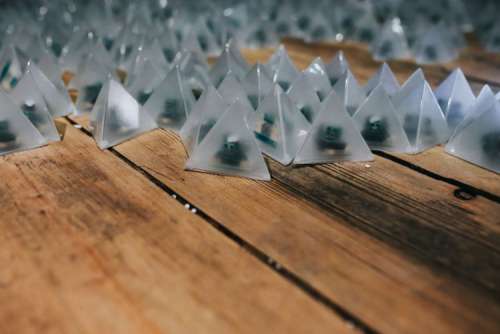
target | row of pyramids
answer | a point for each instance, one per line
(319, 115)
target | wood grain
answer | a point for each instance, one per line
(89, 245)
(344, 262)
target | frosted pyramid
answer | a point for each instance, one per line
(206, 111)
(194, 70)
(333, 137)
(230, 148)
(483, 103)
(316, 72)
(279, 128)
(171, 101)
(229, 61)
(17, 133)
(455, 97)
(391, 42)
(143, 84)
(349, 91)
(414, 82)
(30, 100)
(286, 72)
(231, 90)
(87, 84)
(384, 77)
(479, 141)
(379, 124)
(422, 119)
(305, 98)
(257, 84)
(116, 116)
(434, 47)
(337, 67)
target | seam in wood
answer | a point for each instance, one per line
(251, 249)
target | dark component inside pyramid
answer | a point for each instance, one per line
(375, 130)
(144, 96)
(29, 110)
(265, 134)
(173, 113)
(197, 93)
(205, 128)
(7, 137)
(284, 84)
(490, 144)
(308, 113)
(329, 137)
(232, 152)
(91, 92)
(254, 101)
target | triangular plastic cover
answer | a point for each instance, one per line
(31, 102)
(415, 81)
(455, 98)
(279, 128)
(391, 42)
(422, 119)
(257, 84)
(194, 70)
(316, 72)
(286, 72)
(305, 98)
(231, 90)
(116, 116)
(206, 111)
(384, 77)
(349, 91)
(434, 47)
(333, 137)
(479, 141)
(483, 103)
(17, 133)
(274, 61)
(143, 85)
(88, 83)
(230, 148)
(379, 124)
(228, 62)
(337, 67)
(171, 101)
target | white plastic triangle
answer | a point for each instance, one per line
(379, 124)
(257, 84)
(17, 133)
(414, 82)
(391, 42)
(349, 91)
(337, 67)
(171, 101)
(386, 78)
(455, 98)
(31, 102)
(230, 148)
(333, 137)
(116, 116)
(286, 72)
(143, 85)
(316, 72)
(206, 111)
(279, 128)
(231, 90)
(227, 62)
(304, 97)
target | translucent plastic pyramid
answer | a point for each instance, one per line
(206, 111)
(333, 137)
(379, 124)
(274, 61)
(286, 72)
(229, 61)
(367, 27)
(231, 90)
(455, 97)
(321, 29)
(349, 91)
(17, 133)
(194, 70)
(230, 148)
(171, 101)
(316, 72)
(485, 101)
(147, 79)
(116, 116)
(279, 128)
(257, 84)
(422, 119)
(88, 83)
(305, 98)
(30, 100)
(391, 42)
(384, 77)
(200, 39)
(411, 84)
(479, 141)
(12, 66)
(154, 53)
(434, 47)
(337, 67)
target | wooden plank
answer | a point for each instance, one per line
(363, 66)
(355, 270)
(89, 245)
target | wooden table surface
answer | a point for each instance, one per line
(98, 241)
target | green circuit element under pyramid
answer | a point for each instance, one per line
(7, 137)
(330, 137)
(232, 152)
(375, 130)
